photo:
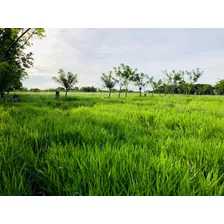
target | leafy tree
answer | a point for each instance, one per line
(152, 83)
(121, 79)
(219, 87)
(13, 43)
(140, 81)
(168, 82)
(14, 57)
(183, 86)
(128, 74)
(109, 81)
(200, 89)
(173, 81)
(193, 78)
(66, 80)
(203, 89)
(10, 75)
(159, 85)
(208, 89)
(177, 80)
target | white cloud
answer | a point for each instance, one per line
(90, 52)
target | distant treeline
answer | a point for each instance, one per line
(88, 89)
(200, 89)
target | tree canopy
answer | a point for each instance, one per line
(66, 80)
(14, 56)
(109, 81)
(219, 87)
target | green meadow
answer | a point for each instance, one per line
(92, 145)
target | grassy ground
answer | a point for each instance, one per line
(91, 145)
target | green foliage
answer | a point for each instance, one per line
(140, 81)
(193, 78)
(219, 87)
(176, 82)
(14, 58)
(129, 75)
(13, 43)
(152, 83)
(10, 76)
(120, 80)
(90, 145)
(125, 75)
(88, 89)
(66, 80)
(109, 81)
(34, 90)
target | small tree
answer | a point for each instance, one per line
(159, 85)
(128, 74)
(140, 81)
(193, 78)
(168, 82)
(109, 81)
(174, 79)
(121, 80)
(152, 83)
(66, 80)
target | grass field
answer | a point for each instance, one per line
(91, 145)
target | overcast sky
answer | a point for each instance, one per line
(91, 52)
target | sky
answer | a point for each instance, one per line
(91, 52)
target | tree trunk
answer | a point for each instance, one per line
(126, 93)
(3, 97)
(66, 92)
(140, 93)
(109, 93)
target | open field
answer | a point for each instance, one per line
(90, 145)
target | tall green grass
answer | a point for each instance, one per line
(90, 145)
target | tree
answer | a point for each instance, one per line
(140, 81)
(159, 85)
(14, 57)
(152, 83)
(183, 86)
(219, 87)
(109, 81)
(173, 81)
(128, 74)
(10, 75)
(208, 89)
(193, 78)
(13, 43)
(66, 80)
(200, 89)
(177, 80)
(121, 79)
(168, 82)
